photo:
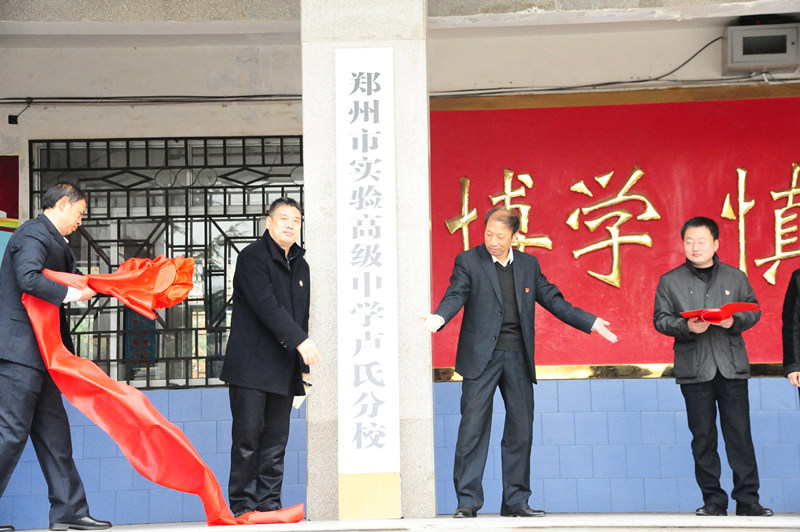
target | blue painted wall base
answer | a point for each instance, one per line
(117, 493)
(599, 446)
(623, 446)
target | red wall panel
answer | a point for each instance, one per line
(690, 155)
(9, 191)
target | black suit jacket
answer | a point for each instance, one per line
(791, 325)
(271, 298)
(474, 286)
(36, 245)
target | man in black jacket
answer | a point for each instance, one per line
(791, 331)
(498, 288)
(30, 402)
(711, 365)
(267, 354)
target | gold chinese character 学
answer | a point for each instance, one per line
(782, 218)
(615, 239)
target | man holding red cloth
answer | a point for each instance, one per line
(30, 403)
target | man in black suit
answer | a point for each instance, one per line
(791, 331)
(268, 353)
(30, 402)
(498, 286)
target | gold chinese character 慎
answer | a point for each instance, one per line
(782, 217)
(743, 207)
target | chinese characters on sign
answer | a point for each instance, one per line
(367, 264)
(621, 215)
(468, 216)
(783, 216)
(785, 235)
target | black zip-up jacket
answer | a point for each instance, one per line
(699, 356)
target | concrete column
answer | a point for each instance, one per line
(328, 25)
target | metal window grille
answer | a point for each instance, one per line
(199, 197)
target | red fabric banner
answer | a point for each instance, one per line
(156, 448)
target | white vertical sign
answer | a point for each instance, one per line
(369, 410)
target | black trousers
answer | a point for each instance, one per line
(31, 405)
(508, 370)
(260, 432)
(734, 414)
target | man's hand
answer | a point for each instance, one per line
(87, 293)
(697, 326)
(432, 322)
(727, 323)
(794, 378)
(308, 350)
(600, 328)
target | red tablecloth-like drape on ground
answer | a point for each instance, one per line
(155, 447)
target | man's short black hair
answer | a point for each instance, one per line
(283, 200)
(701, 221)
(58, 191)
(504, 215)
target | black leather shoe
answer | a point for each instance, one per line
(711, 509)
(6, 528)
(464, 511)
(81, 523)
(753, 510)
(525, 511)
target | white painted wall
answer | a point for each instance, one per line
(570, 58)
(532, 56)
(138, 71)
(141, 70)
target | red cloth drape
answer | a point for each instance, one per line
(156, 448)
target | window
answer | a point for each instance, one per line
(198, 197)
